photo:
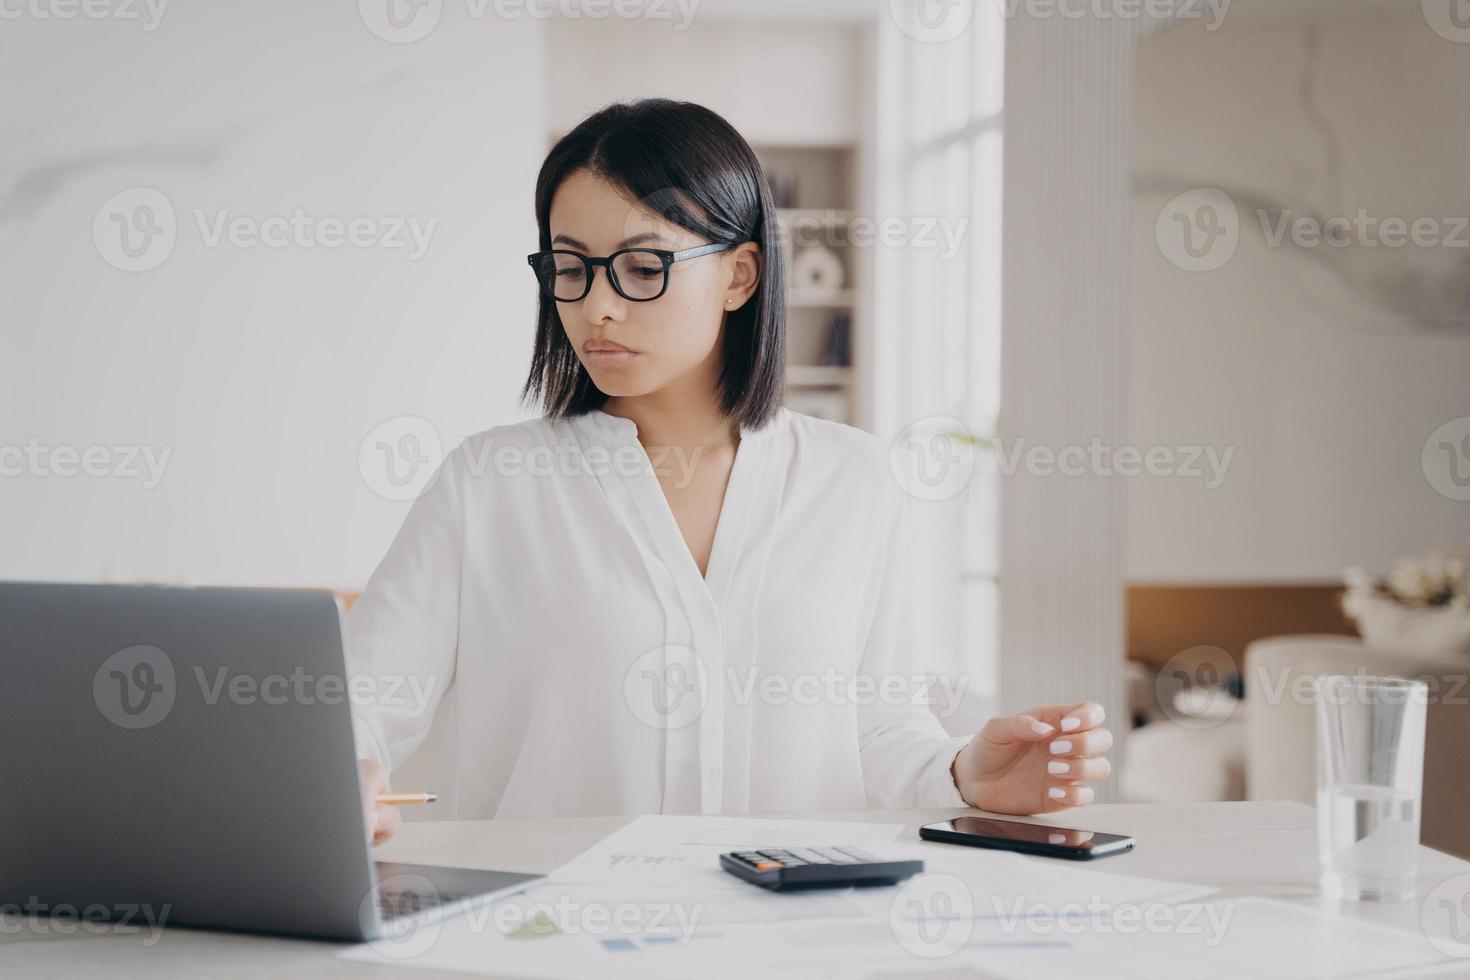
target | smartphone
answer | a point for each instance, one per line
(1029, 838)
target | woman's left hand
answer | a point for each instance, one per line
(1036, 762)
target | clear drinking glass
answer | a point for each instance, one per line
(1370, 780)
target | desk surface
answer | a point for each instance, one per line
(1241, 848)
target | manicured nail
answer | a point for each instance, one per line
(1061, 745)
(1041, 728)
(1057, 768)
(1056, 792)
(1071, 722)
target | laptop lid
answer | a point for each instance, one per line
(187, 752)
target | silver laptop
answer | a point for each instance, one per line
(189, 753)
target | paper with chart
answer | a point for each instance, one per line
(651, 901)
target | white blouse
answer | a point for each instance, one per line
(542, 590)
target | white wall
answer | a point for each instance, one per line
(1326, 394)
(777, 82)
(260, 369)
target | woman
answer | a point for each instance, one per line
(670, 593)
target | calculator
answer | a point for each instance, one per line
(797, 868)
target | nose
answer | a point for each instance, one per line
(602, 302)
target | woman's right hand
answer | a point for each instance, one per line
(381, 820)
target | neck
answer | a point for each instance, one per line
(686, 413)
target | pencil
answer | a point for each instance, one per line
(402, 799)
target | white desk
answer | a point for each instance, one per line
(1241, 848)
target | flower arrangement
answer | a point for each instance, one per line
(1420, 604)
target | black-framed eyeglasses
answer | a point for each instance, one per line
(637, 274)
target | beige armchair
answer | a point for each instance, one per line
(1281, 731)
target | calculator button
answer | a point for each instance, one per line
(769, 866)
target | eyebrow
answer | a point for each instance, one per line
(647, 236)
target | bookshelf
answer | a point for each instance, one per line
(813, 187)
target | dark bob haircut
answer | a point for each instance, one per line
(689, 166)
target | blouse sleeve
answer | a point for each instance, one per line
(906, 754)
(402, 633)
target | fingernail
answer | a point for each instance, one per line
(1057, 768)
(1061, 745)
(1070, 722)
(1040, 728)
(1056, 792)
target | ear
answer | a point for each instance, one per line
(744, 262)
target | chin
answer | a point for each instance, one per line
(620, 384)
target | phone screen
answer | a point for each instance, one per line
(986, 830)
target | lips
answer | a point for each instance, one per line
(605, 346)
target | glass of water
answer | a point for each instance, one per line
(1370, 779)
